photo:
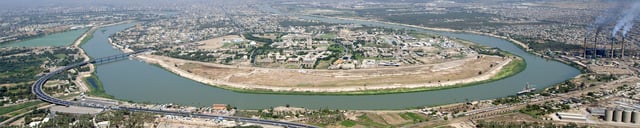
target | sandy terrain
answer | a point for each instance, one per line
(75, 110)
(462, 125)
(179, 122)
(609, 70)
(393, 118)
(431, 75)
(79, 79)
(376, 118)
(216, 43)
(8, 85)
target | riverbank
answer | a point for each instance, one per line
(494, 74)
(135, 81)
(514, 68)
(57, 39)
(88, 81)
(97, 89)
(500, 71)
(77, 44)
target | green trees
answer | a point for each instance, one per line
(507, 100)
(127, 119)
(18, 68)
(196, 56)
(3, 90)
(250, 36)
(548, 44)
(336, 50)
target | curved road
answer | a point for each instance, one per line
(37, 90)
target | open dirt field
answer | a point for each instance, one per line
(393, 119)
(376, 118)
(216, 43)
(8, 85)
(609, 70)
(431, 75)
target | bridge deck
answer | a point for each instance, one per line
(37, 90)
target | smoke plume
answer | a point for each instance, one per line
(610, 15)
(627, 21)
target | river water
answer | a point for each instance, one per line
(56, 39)
(141, 82)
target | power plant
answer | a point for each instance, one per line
(616, 48)
(624, 22)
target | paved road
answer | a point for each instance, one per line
(37, 90)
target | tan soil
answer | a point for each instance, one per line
(376, 118)
(448, 73)
(393, 118)
(216, 43)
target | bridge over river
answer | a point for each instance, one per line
(37, 90)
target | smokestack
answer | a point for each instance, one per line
(595, 45)
(612, 49)
(622, 48)
(585, 46)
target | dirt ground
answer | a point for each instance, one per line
(431, 73)
(7, 85)
(514, 117)
(609, 70)
(384, 119)
(393, 118)
(376, 118)
(449, 73)
(216, 43)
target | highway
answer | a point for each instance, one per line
(37, 90)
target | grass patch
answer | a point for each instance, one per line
(3, 118)
(421, 35)
(15, 110)
(87, 38)
(96, 87)
(328, 36)
(227, 45)
(514, 67)
(292, 66)
(12, 108)
(60, 56)
(348, 123)
(323, 64)
(412, 116)
(368, 122)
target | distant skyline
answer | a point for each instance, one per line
(24, 4)
(29, 4)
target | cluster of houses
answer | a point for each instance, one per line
(307, 47)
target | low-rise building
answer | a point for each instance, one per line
(219, 107)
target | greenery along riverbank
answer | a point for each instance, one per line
(88, 37)
(514, 67)
(97, 89)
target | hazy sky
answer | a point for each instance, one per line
(14, 4)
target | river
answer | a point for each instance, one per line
(57, 39)
(141, 82)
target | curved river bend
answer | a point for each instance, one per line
(56, 39)
(141, 82)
